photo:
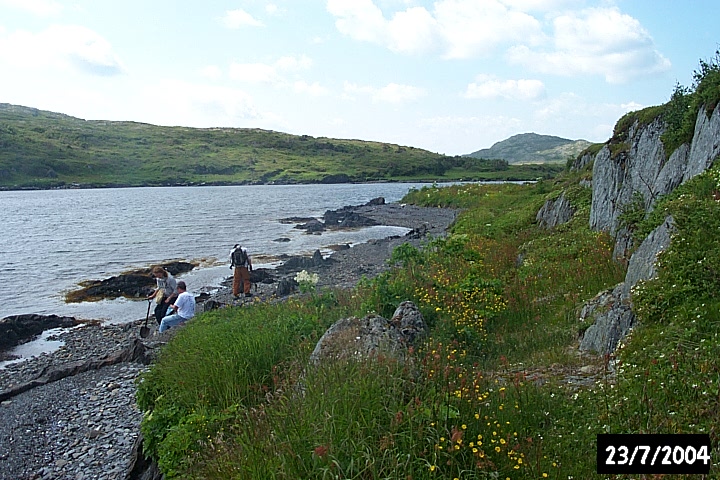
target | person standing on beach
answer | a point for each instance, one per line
(165, 293)
(183, 308)
(241, 262)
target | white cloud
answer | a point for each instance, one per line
(314, 89)
(235, 19)
(359, 19)
(391, 93)
(254, 73)
(273, 10)
(288, 63)
(211, 71)
(488, 87)
(61, 46)
(395, 93)
(631, 106)
(41, 8)
(538, 5)
(412, 31)
(175, 102)
(269, 73)
(471, 28)
(457, 28)
(598, 41)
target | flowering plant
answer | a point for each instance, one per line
(306, 281)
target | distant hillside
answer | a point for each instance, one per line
(40, 149)
(533, 148)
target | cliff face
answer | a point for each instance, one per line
(639, 166)
(643, 168)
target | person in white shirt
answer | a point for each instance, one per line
(183, 308)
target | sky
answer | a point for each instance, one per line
(448, 76)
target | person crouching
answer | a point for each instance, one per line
(183, 308)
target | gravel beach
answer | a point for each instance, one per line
(71, 414)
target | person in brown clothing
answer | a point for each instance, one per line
(241, 262)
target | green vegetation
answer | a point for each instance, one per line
(41, 149)
(496, 391)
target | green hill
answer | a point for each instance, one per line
(40, 149)
(533, 148)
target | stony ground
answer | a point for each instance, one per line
(84, 426)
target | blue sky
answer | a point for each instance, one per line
(449, 76)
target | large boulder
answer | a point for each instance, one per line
(357, 338)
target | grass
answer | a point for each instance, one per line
(494, 392)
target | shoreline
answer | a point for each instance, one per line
(83, 422)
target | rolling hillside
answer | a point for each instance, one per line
(40, 149)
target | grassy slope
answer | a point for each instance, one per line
(45, 149)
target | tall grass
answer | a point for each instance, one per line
(498, 388)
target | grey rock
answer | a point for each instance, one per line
(610, 312)
(357, 338)
(555, 212)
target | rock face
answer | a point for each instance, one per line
(643, 168)
(555, 212)
(641, 171)
(371, 335)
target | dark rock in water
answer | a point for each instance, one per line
(347, 217)
(296, 220)
(175, 268)
(355, 220)
(297, 263)
(17, 329)
(135, 284)
(282, 240)
(313, 225)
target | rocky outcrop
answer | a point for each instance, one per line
(640, 170)
(347, 217)
(610, 313)
(555, 212)
(644, 168)
(371, 335)
(17, 329)
(135, 284)
(297, 263)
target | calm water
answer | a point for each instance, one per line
(50, 241)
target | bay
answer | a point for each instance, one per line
(52, 240)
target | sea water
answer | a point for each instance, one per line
(53, 240)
